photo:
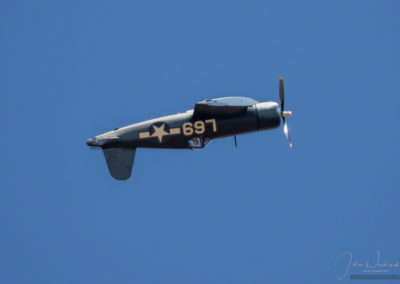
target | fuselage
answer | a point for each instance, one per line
(190, 130)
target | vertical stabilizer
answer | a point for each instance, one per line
(120, 161)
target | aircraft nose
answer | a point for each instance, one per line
(268, 115)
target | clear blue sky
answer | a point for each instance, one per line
(259, 213)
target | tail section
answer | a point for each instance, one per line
(120, 161)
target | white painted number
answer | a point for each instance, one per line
(214, 123)
(187, 128)
(199, 127)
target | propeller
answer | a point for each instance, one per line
(284, 113)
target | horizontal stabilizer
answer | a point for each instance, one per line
(120, 161)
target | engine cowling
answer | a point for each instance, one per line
(268, 115)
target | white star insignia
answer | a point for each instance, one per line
(159, 132)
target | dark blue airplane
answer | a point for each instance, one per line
(210, 119)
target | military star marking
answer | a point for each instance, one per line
(159, 132)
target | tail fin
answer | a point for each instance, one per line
(120, 161)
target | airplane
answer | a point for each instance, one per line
(193, 129)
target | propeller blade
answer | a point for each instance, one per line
(286, 131)
(281, 94)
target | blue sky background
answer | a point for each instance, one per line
(260, 213)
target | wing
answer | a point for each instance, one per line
(223, 107)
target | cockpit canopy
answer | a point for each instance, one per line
(223, 107)
(229, 101)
